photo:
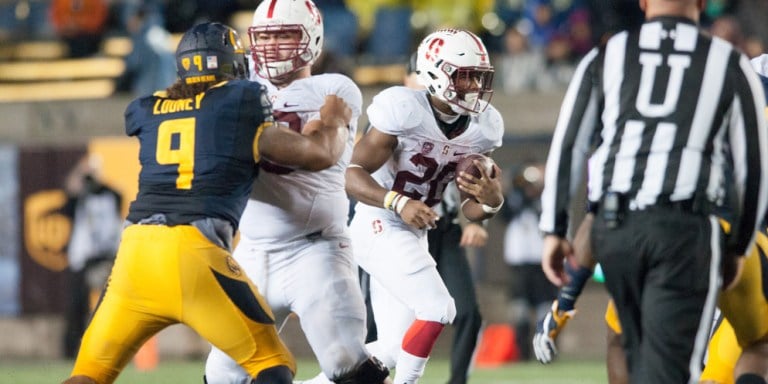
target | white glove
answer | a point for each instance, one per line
(547, 330)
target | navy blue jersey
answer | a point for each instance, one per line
(198, 156)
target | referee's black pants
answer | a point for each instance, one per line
(661, 268)
(453, 266)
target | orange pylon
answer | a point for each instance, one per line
(147, 357)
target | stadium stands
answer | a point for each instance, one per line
(33, 71)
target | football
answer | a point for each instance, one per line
(466, 164)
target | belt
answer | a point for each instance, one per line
(614, 206)
(687, 205)
(625, 205)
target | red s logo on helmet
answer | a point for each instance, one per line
(434, 49)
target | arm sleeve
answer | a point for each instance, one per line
(567, 157)
(749, 147)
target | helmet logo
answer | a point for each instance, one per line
(434, 49)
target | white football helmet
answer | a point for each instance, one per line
(454, 66)
(276, 16)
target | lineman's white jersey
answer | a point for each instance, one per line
(288, 204)
(425, 160)
(294, 241)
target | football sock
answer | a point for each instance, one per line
(409, 368)
(421, 337)
(750, 378)
(566, 299)
(279, 374)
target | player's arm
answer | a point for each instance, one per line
(486, 190)
(370, 153)
(316, 150)
(574, 131)
(749, 143)
(473, 235)
(563, 308)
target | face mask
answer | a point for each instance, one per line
(469, 101)
(456, 109)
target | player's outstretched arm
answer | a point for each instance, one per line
(576, 272)
(318, 149)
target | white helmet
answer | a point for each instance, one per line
(272, 16)
(454, 66)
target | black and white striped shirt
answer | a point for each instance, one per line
(669, 112)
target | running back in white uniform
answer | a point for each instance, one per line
(405, 284)
(294, 242)
(425, 160)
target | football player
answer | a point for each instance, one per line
(200, 142)
(398, 172)
(294, 241)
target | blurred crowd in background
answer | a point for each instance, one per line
(534, 43)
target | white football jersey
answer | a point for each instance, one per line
(286, 203)
(425, 160)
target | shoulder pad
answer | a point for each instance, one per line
(395, 110)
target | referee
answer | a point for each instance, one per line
(667, 114)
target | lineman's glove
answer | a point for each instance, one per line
(547, 330)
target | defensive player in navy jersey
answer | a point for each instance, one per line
(201, 140)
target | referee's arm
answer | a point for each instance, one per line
(748, 137)
(570, 145)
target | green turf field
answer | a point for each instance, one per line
(190, 372)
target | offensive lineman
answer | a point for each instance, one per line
(294, 243)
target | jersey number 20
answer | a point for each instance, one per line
(437, 182)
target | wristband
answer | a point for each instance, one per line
(488, 209)
(389, 199)
(401, 203)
